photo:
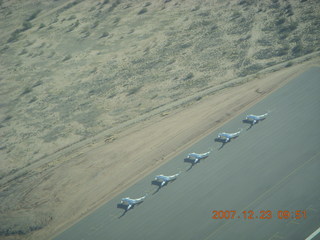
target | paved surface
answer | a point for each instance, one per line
(275, 165)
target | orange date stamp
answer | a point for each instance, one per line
(262, 214)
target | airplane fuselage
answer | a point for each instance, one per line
(256, 118)
(131, 202)
(198, 155)
(228, 136)
(164, 179)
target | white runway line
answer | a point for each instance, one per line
(313, 234)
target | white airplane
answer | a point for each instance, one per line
(255, 118)
(164, 179)
(197, 156)
(131, 202)
(228, 136)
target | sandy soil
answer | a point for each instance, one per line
(71, 186)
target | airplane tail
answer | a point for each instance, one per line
(144, 197)
(177, 174)
(269, 111)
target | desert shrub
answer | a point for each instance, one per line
(142, 11)
(14, 36)
(281, 51)
(95, 24)
(188, 76)
(185, 45)
(33, 99)
(265, 53)
(73, 26)
(114, 5)
(37, 83)
(51, 54)
(72, 17)
(289, 64)
(204, 14)
(26, 25)
(116, 20)
(235, 15)
(280, 21)
(196, 8)
(200, 24)
(112, 95)
(147, 4)
(24, 51)
(246, 2)
(66, 58)
(285, 30)
(5, 48)
(154, 96)
(288, 10)
(42, 25)
(275, 4)
(133, 90)
(254, 68)
(69, 5)
(7, 118)
(105, 34)
(26, 90)
(297, 50)
(33, 15)
(288, 28)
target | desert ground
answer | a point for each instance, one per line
(94, 95)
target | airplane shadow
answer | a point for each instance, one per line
(188, 160)
(221, 141)
(124, 207)
(157, 183)
(246, 121)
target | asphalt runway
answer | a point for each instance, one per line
(275, 166)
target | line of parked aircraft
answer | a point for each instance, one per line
(194, 158)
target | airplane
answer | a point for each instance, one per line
(256, 118)
(229, 136)
(198, 156)
(131, 202)
(165, 179)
